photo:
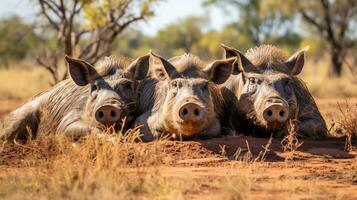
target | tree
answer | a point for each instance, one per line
(181, 36)
(132, 43)
(16, 39)
(336, 23)
(86, 28)
(255, 19)
(209, 46)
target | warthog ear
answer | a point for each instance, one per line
(81, 72)
(296, 62)
(139, 68)
(229, 52)
(242, 63)
(220, 70)
(163, 69)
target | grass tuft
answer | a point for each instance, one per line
(347, 125)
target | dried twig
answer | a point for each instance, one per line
(290, 142)
(347, 126)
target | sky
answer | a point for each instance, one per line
(167, 12)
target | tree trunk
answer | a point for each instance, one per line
(337, 58)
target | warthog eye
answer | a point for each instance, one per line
(205, 86)
(127, 85)
(174, 84)
(252, 80)
(286, 82)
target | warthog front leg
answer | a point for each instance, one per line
(149, 127)
(214, 130)
(79, 129)
(73, 126)
(311, 124)
(312, 129)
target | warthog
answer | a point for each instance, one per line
(263, 95)
(92, 100)
(181, 97)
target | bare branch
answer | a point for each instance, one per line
(44, 12)
(312, 20)
(64, 17)
(53, 7)
(51, 68)
(328, 23)
(54, 4)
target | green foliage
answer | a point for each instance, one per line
(333, 21)
(17, 39)
(188, 35)
(257, 19)
(132, 43)
(209, 46)
(180, 37)
(317, 46)
(96, 12)
(289, 42)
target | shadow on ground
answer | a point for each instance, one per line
(329, 148)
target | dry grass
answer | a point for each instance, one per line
(22, 82)
(246, 156)
(321, 84)
(290, 143)
(117, 166)
(346, 126)
(93, 168)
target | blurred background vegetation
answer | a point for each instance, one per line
(91, 29)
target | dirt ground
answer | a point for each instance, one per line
(239, 167)
(231, 168)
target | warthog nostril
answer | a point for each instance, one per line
(112, 113)
(184, 111)
(196, 112)
(270, 113)
(100, 115)
(281, 113)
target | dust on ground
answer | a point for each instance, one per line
(210, 166)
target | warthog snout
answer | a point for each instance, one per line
(276, 113)
(191, 112)
(107, 114)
